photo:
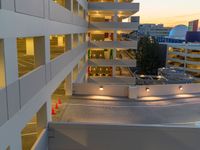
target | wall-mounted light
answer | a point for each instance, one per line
(180, 88)
(147, 89)
(101, 88)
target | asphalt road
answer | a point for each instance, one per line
(180, 111)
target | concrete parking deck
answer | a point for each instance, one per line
(177, 111)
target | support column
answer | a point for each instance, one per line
(72, 6)
(47, 48)
(8, 5)
(115, 17)
(68, 84)
(69, 4)
(185, 59)
(68, 42)
(10, 68)
(114, 58)
(39, 50)
(10, 63)
(42, 118)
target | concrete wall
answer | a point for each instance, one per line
(65, 136)
(42, 142)
(93, 89)
(134, 92)
(163, 90)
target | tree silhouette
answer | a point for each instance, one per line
(148, 56)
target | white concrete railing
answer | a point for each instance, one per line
(30, 7)
(31, 83)
(113, 6)
(110, 62)
(61, 61)
(61, 14)
(112, 44)
(114, 25)
(163, 90)
(94, 89)
(135, 92)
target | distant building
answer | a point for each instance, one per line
(154, 30)
(185, 56)
(176, 35)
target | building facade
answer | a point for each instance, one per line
(110, 53)
(154, 30)
(185, 57)
(42, 43)
(44, 47)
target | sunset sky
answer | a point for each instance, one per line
(169, 12)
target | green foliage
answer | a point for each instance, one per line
(148, 56)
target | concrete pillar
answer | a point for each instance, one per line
(42, 119)
(30, 46)
(69, 4)
(46, 8)
(185, 59)
(72, 6)
(16, 141)
(8, 5)
(115, 35)
(39, 50)
(113, 70)
(9, 60)
(48, 108)
(68, 42)
(47, 48)
(68, 84)
(78, 12)
(2, 66)
(115, 17)
(75, 40)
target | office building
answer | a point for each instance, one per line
(154, 30)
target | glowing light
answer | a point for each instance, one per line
(180, 88)
(101, 88)
(147, 90)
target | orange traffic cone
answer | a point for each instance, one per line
(53, 112)
(56, 106)
(59, 101)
